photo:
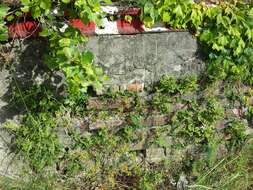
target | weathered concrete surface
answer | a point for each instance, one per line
(10, 163)
(20, 67)
(25, 68)
(3, 90)
(145, 58)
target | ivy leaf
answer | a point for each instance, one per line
(166, 17)
(18, 13)
(219, 19)
(148, 8)
(223, 40)
(239, 48)
(25, 2)
(178, 11)
(89, 70)
(10, 18)
(3, 36)
(99, 71)
(249, 34)
(206, 35)
(36, 12)
(44, 33)
(87, 58)
(25, 9)
(66, 1)
(68, 52)
(128, 18)
(217, 47)
(64, 42)
(45, 4)
(149, 22)
(3, 10)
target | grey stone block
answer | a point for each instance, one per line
(155, 155)
(146, 57)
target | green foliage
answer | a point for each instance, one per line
(172, 85)
(3, 29)
(172, 12)
(36, 181)
(37, 99)
(36, 140)
(103, 158)
(232, 172)
(236, 129)
(168, 84)
(37, 7)
(225, 29)
(230, 40)
(65, 55)
(197, 122)
(150, 180)
(162, 103)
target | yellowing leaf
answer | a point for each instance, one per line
(166, 17)
(178, 11)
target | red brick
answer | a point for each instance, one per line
(24, 29)
(135, 87)
(135, 26)
(87, 29)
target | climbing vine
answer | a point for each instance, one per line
(226, 30)
(66, 51)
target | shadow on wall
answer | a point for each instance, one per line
(21, 67)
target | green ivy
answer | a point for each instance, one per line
(66, 55)
(67, 51)
(226, 30)
(3, 29)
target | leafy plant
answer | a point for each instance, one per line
(162, 103)
(36, 140)
(236, 129)
(198, 121)
(65, 55)
(3, 29)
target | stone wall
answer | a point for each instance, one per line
(127, 59)
(145, 58)
(131, 62)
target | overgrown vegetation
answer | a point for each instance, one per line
(225, 30)
(109, 158)
(207, 143)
